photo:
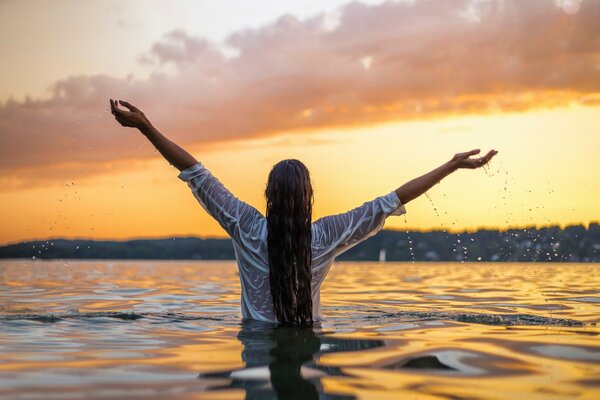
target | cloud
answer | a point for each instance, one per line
(569, 6)
(361, 65)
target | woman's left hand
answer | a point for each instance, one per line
(464, 160)
(133, 118)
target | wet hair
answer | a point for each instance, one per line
(289, 197)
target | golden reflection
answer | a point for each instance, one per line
(391, 330)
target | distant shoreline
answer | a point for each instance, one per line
(547, 244)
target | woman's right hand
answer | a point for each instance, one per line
(464, 160)
(134, 118)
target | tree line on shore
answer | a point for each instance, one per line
(574, 243)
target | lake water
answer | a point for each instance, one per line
(161, 329)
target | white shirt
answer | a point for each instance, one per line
(331, 236)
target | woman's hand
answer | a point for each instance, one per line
(464, 160)
(133, 118)
(416, 187)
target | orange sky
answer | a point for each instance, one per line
(367, 96)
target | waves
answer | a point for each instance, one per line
(125, 316)
(478, 318)
(383, 318)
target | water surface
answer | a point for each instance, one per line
(113, 329)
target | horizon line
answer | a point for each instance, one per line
(431, 230)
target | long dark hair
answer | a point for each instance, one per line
(289, 212)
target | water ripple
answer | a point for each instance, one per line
(384, 318)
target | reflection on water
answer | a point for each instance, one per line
(280, 361)
(392, 330)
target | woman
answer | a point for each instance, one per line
(283, 258)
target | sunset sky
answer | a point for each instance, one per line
(367, 94)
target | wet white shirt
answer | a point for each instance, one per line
(247, 227)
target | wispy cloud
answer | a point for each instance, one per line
(394, 61)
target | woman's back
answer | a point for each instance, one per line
(330, 236)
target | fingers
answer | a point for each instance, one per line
(115, 110)
(481, 161)
(489, 155)
(466, 155)
(125, 118)
(129, 106)
(124, 122)
(114, 107)
(464, 161)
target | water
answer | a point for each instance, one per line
(114, 329)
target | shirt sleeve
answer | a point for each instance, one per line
(235, 216)
(343, 231)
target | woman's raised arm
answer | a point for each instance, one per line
(135, 118)
(416, 187)
(239, 219)
(343, 231)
